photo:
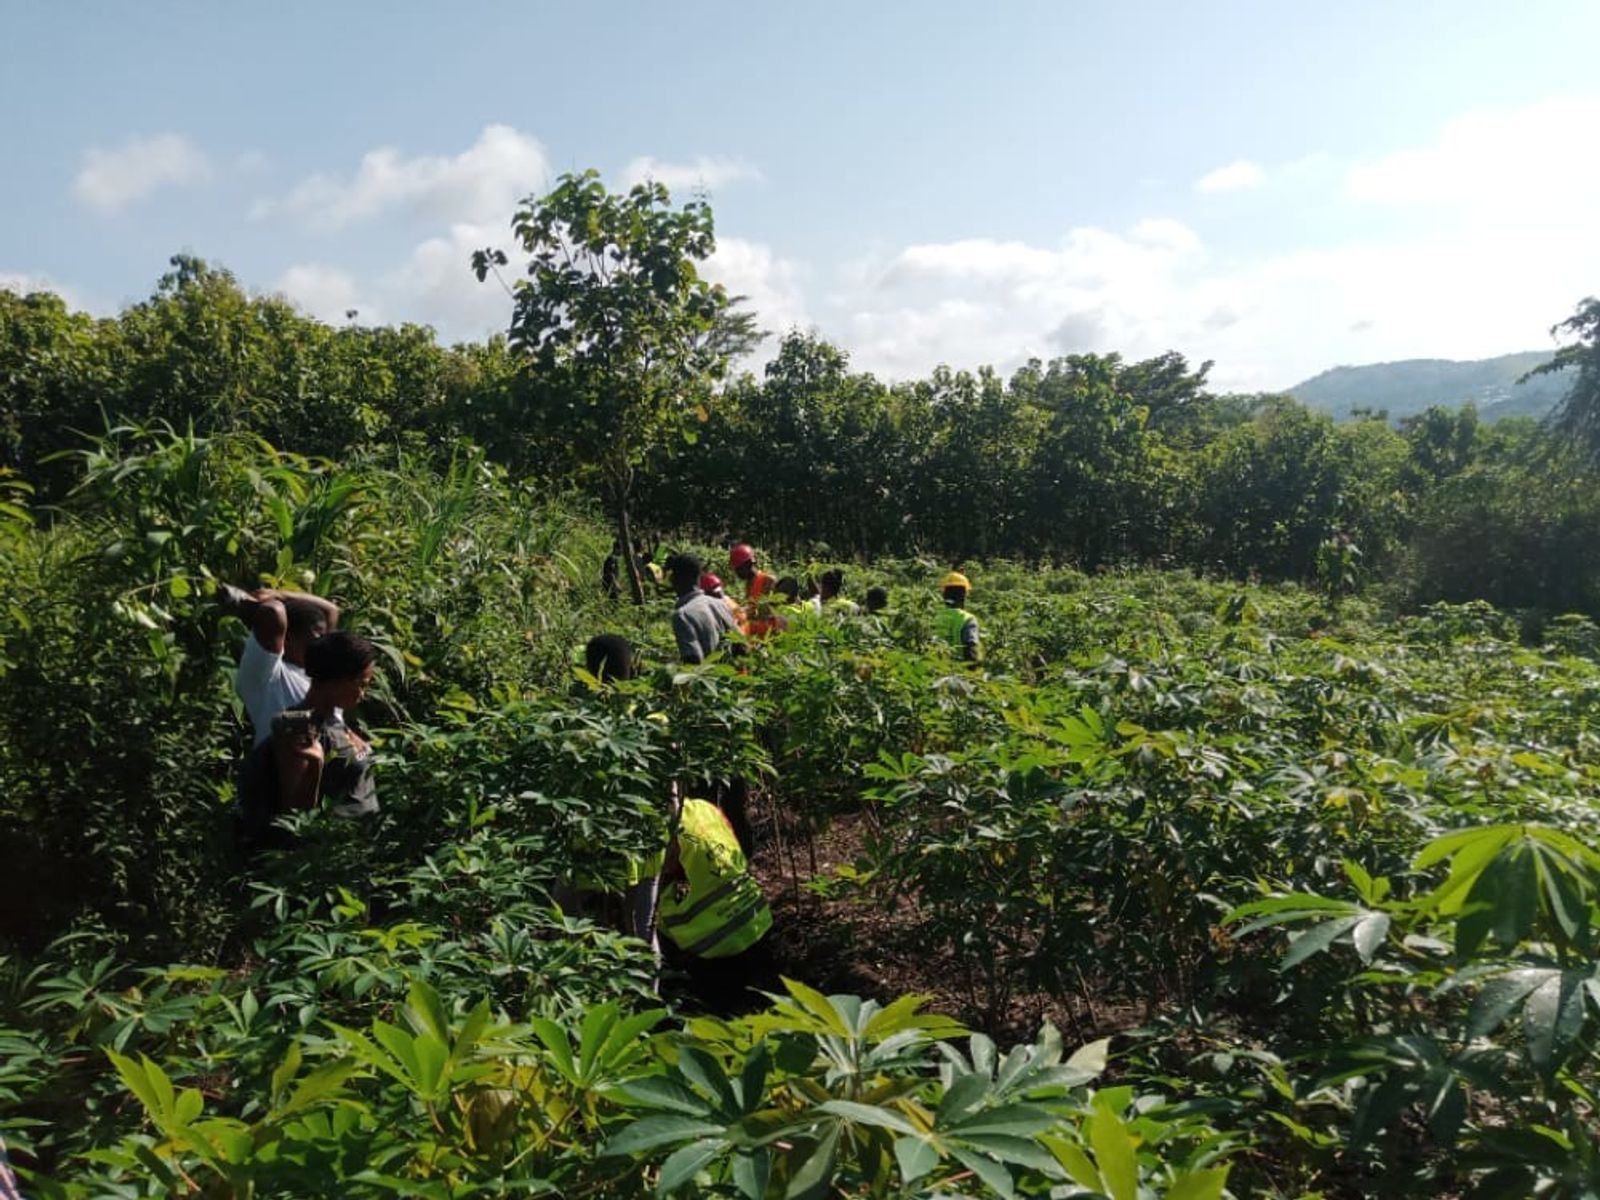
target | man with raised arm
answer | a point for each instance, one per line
(272, 666)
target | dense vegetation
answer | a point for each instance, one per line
(1085, 460)
(1280, 889)
(1104, 824)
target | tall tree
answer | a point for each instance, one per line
(1578, 414)
(613, 305)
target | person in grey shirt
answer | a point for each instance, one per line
(699, 621)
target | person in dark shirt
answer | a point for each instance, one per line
(310, 755)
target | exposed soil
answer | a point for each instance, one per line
(852, 945)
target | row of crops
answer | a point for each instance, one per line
(1309, 893)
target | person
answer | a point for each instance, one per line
(698, 621)
(272, 675)
(789, 608)
(877, 598)
(711, 911)
(8, 1179)
(955, 625)
(760, 620)
(310, 756)
(711, 585)
(832, 597)
(608, 656)
(611, 571)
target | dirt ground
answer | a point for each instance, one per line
(851, 945)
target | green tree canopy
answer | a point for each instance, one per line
(614, 305)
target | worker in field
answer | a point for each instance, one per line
(831, 598)
(758, 599)
(877, 600)
(272, 666)
(790, 605)
(711, 585)
(956, 627)
(698, 622)
(610, 658)
(611, 571)
(309, 755)
(711, 912)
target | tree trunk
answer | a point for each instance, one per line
(621, 482)
(625, 531)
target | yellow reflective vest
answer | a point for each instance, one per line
(949, 624)
(717, 910)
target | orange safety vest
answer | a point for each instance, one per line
(761, 621)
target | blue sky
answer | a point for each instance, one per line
(1278, 187)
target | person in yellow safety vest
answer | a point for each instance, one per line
(757, 594)
(791, 608)
(711, 910)
(711, 585)
(956, 627)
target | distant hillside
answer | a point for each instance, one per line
(1409, 387)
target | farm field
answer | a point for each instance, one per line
(1190, 888)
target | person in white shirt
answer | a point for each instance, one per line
(272, 674)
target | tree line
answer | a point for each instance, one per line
(1085, 459)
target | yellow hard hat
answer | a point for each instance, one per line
(955, 579)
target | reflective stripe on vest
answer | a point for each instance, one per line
(723, 911)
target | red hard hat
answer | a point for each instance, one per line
(709, 582)
(739, 555)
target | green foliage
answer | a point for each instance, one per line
(615, 379)
(1577, 416)
(614, 308)
(1328, 877)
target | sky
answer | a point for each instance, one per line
(1278, 188)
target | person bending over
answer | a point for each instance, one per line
(711, 910)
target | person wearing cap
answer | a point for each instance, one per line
(956, 627)
(711, 585)
(760, 620)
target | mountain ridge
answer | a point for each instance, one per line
(1407, 387)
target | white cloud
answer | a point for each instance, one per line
(110, 180)
(1268, 321)
(703, 173)
(1494, 163)
(326, 293)
(1237, 176)
(482, 184)
(436, 284)
(1499, 258)
(27, 282)
(980, 301)
(770, 284)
